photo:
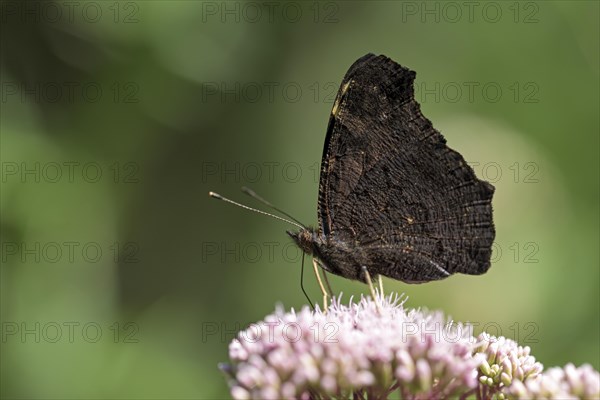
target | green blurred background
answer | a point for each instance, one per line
(121, 278)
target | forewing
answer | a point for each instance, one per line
(391, 187)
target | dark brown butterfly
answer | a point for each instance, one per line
(392, 196)
(394, 200)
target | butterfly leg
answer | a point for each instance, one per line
(325, 294)
(380, 279)
(302, 283)
(371, 287)
(326, 279)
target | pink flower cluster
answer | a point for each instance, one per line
(560, 383)
(363, 350)
(504, 362)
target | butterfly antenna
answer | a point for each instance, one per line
(253, 194)
(218, 196)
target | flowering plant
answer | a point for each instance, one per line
(377, 349)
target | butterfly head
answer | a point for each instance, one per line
(306, 239)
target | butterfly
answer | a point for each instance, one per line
(394, 199)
